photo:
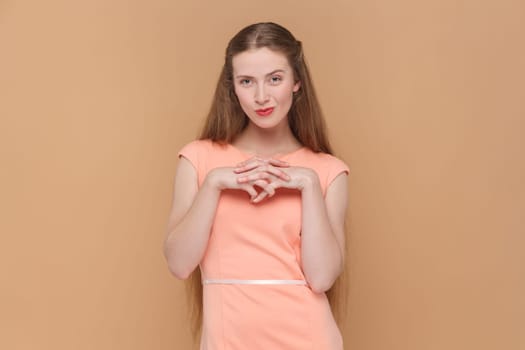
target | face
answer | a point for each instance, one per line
(264, 84)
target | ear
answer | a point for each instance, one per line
(297, 86)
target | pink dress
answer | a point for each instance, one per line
(260, 242)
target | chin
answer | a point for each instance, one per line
(269, 123)
(266, 126)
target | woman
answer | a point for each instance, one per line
(259, 204)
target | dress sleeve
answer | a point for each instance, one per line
(191, 152)
(337, 166)
(194, 152)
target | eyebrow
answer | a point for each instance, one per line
(271, 73)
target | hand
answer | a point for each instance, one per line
(266, 173)
(227, 178)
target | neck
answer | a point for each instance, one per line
(267, 142)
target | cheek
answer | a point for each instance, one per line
(244, 100)
(242, 95)
(285, 95)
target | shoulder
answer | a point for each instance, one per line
(198, 153)
(324, 160)
(199, 148)
(196, 145)
(195, 152)
(327, 166)
(205, 154)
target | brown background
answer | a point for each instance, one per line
(424, 100)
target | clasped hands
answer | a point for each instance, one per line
(264, 174)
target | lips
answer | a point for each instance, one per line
(263, 112)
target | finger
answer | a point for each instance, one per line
(268, 191)
(254, 176)
(254, 162)
(246, 167)
(278, 162)
(251, 191)
(269, 188)
(278, 173)
(249, 160)
(260, 197)
(249, 165)
(267, 169)
(259, 161)
(261, 183)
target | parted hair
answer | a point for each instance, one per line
(226, 120)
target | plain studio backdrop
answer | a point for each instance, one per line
(424, 101)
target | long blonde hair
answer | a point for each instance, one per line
(226, 120)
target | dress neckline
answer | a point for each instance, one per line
(275, 156)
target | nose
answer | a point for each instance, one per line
(261, 96)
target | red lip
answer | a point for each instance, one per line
(264, 111)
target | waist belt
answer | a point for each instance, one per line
(258, 282)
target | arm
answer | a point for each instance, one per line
(190, 221)
(193, 213)
(323, 235)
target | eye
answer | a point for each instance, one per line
(276, 79)
(245, 82)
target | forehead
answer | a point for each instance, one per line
(258, 62)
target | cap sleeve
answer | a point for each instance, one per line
(191, 152)
(195, 152)
(337, 166)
